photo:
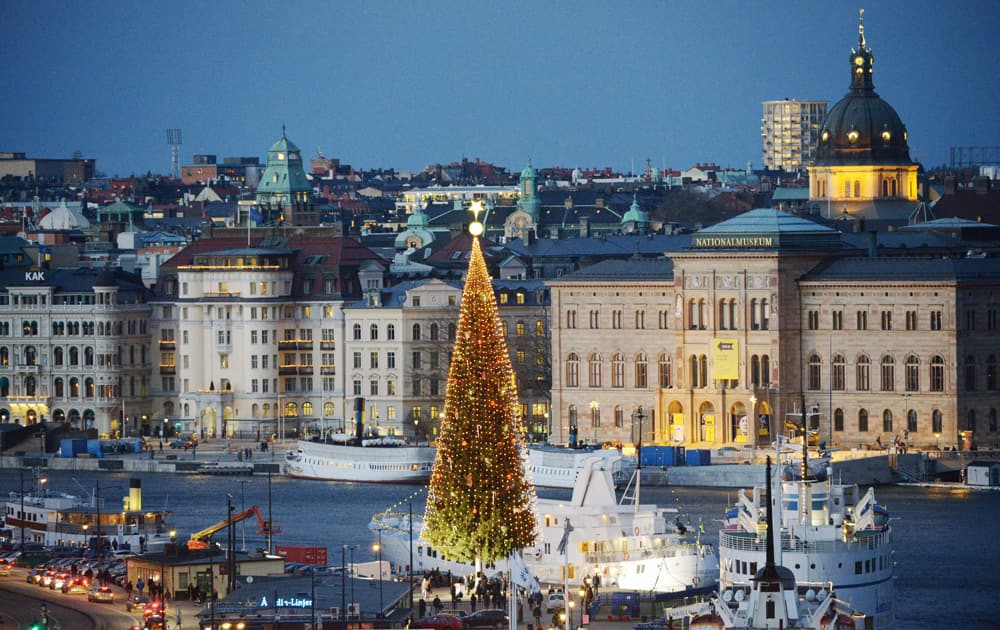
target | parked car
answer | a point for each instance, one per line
(136, 602)
(441, 622)
(59, 580)
(489, 618)
(101, 594)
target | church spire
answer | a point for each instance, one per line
(862, 60)
(861, 29)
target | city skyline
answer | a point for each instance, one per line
(404, 86)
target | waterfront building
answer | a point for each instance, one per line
(768, 318)
(790, 132)
(74, 347)
(863, 167)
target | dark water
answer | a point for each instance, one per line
(948, 556)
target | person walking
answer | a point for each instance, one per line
(536, 612)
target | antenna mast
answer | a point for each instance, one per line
(174, 140)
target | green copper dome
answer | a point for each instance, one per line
(635, 214)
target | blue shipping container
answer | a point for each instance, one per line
(674, 456)
(625, 604)
(71, 447)
(94, 447)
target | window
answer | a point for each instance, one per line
(572, 370)
(416, 387)
(862, 320)
(434, 332)
(703, 370)
(571, 318)
(991, 373)
(519, 298)
(595, 319)
(815, 369)
(664, 370)
(936, 421)
(838, 419)
(619, 416)
(641, 371)
(813, 317)
(838, 382)
(911, 420)
(595, 416)
(373, 358)
(416, 332)
(991, 319)
(435, 386)
(504, 298)
(357, 387)
(912, 378)
(520, 355)
(863, 374)
(594, 370)
(663, 320)
(887, 421)
(640, 320)
(618, 370)
(837, 320)
(416, 300)
(886, 320)
(374, 332)
(935, 320)
(937, 374)
(357, 360)
(970, 319)
(519, 329)
(911, 320)
(390, 360)
(416, 360)
(539, 328)
(357, 332)
(888, 374)
(863, 421)
(970, 373)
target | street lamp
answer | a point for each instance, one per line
(378, 550)
(595, 416)
(582, 594)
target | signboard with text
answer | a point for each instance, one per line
(725, 359)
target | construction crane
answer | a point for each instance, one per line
(200, 539)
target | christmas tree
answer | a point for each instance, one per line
(480, 505)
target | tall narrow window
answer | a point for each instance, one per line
(912, 374)
(572, 370)
(664, 368)
(618, 370)
(594, 369)
(863, 421)
(888, 373)
(863, 374)
(937, 374)
(641, 371)
(838, 380)
(815, 368)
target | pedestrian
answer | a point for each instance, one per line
(128, 588)
(139, 585)
(536, 612)
(161, 445)
(438, 607)
(472, 601)
(422, 608)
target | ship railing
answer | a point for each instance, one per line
(641, 553)
(871, 541)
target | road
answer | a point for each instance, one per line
(21, 604)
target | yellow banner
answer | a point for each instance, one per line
(726, 359)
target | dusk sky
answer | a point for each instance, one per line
(407, 84)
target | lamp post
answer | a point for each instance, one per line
(638, 457)
(378, 550)
(582, 594)
(595, 416)
(753, 428)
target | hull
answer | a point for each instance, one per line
(365, 464)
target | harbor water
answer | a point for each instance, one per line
(946, 553)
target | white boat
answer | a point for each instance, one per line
(629, 545)
(342, 457)
(558, 466)
(59, 519)
(830, 532)
(774, 598)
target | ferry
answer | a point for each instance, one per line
(629, 545)
(58, 519)
(554, 466)
(378, 459)
(829, 532)
(773, 597)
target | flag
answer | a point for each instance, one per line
(565, 538)
(256, 216)
(520, 575)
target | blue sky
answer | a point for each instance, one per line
(406, 84)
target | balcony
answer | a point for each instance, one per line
(328, 370)
(168, 370)
(168, 345)
(295, 370)
(295, 344)
(328, 345)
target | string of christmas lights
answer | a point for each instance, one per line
(480, 503)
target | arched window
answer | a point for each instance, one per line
(754, 318)
(887, 421)
(863, 421)
(618, 370)
(88, 356)
(937, 374)
(307, 409)
(664, 368)
(641, 371)
(4, 356)
(723, 311)
(374, 331)
(594, 370)
(912, 374)
(57, 356)
(815, 369)
(255, 410)
(755, 371)
(59, 387)
(694, 371)
(88, 388)
(703, 370)
(888, 374)
(863, 374)
(595, 415)
(416, 332)
(936, 422)
(765, 370)
(390, 332)
(838, 419)
(838, 378)
(857, 188)
(572, 370)
(434, 332)
(265, 410)
(328, 409)
(74, 387)
(911, 420)
(357, 332)
(520, 329)
(692, 314)
(885, 187)
(74, 356)
(30, 356)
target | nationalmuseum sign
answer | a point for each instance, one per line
(746, 241)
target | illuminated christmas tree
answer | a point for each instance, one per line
(480, 502)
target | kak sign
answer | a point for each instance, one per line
(725, 359)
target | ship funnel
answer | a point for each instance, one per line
(359, 415)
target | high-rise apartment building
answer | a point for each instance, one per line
(790, 133)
